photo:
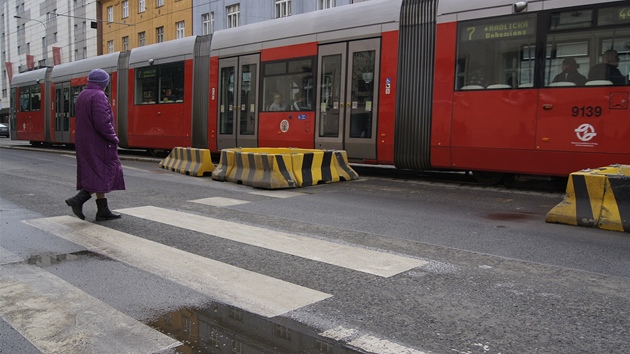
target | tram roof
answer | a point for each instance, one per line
(319, 24)
(164, 52)
(457, 10)
(81, 68)
(29, 77)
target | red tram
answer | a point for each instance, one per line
(493, 86)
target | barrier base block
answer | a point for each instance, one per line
(189, 161)
(596, 198)
(277, 168)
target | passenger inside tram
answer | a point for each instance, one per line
(277, 104)
(570, 73)
(608, 69)
(298, 103)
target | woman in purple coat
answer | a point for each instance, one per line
(98, 167)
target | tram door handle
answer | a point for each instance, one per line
(547, 107)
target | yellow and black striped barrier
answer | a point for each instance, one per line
(189, 161)
(277, 168)
(596, 198)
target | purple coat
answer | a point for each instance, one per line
(98, 166)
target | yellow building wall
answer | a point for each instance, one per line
(148, 21)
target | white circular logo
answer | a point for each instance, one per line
(284, 125)
(585, 132)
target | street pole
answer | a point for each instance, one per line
(45, 49)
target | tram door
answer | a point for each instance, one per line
(62, 112)
(238, 111)
(347, 99)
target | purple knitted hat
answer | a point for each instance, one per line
(99, 77)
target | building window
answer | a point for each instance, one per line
(159, 34)
(125, 9)
(283, 8)
(110, 14)
(326, 4)
(181, 33)
(110, 46)
(207, 21)
(159, 3)
(125, 41)
(282, 332)
(233, 15)
(141, 39)
(141, 6)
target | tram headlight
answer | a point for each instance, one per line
(520, 6)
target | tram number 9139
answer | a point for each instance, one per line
(586, 111)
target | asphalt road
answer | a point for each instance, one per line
(385, 264)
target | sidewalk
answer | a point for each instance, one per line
(123, 154)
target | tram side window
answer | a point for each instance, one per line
(160, 84)
(588, 47)
(496, 53)
(30, 98)
(288, 85)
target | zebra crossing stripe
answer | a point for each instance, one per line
(57, 317)
(7, 256)
(250, 291)
(355, 258)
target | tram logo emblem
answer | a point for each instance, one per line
(284, 126)
(585, 132)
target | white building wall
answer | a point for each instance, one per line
(53, 19)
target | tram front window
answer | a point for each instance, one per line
(496, 53)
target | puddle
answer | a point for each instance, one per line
(509, 216)
(220, 328)
(47, 260)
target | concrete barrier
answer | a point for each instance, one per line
(277, 168)
(189, 161)
(596, 198)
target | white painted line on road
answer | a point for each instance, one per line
(7, 256)
(382, 346)
(57, 317)
(355, 258)
(277, 193)
(339, 333)
(219, 201)
(231, 285)
(367, 342)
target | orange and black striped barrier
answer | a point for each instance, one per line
(596, 198)
(189, 161)
(276, 168)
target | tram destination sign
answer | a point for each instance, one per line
(498, 28)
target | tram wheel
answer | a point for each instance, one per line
(488, 178)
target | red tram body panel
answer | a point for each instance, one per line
(494, 87)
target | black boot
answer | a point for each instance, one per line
(103, 212)
(76, 203)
